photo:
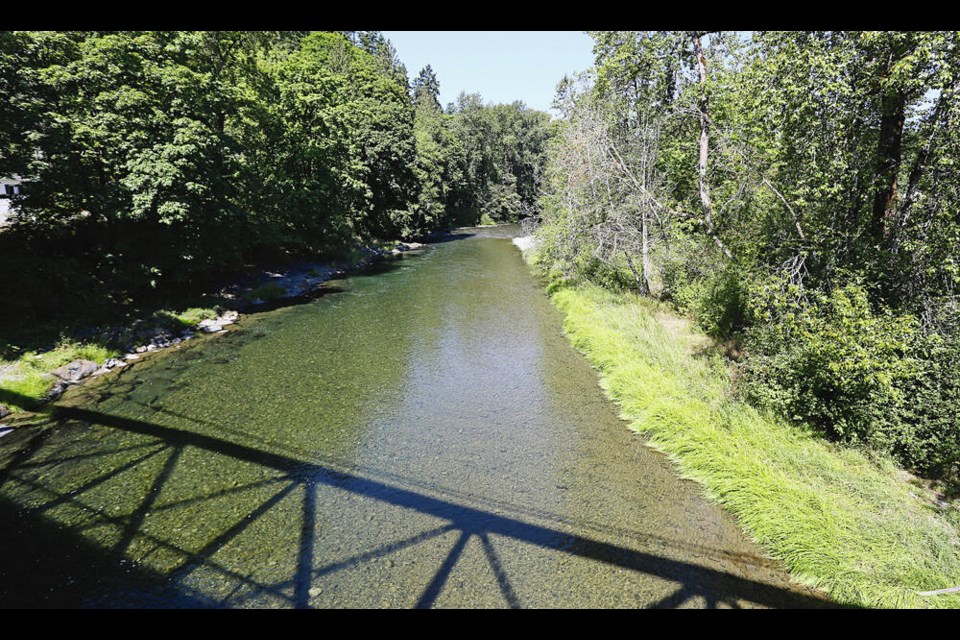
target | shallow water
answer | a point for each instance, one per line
(424, 435)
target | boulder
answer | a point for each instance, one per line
(211, 328)
(57, 390)
(76, 370)
(4, 411)
(114, 362)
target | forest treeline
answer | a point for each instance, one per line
(799, 194)
(152, 160)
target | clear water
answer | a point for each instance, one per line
(424, 435)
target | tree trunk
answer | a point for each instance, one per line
(705, 201)
(920, 164)
(889, 149)
(645, 252)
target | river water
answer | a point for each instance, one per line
(421, 436)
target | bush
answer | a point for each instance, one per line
(931, 415)
(614, 277)
(269, 291)
(829, 360)
(720, 303)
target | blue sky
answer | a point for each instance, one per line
(502, 66)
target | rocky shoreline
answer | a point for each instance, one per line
(301, 280)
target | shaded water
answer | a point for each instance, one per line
(424, 436)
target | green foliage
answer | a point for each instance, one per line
(834, 363)
(796, 189)
(837, 518)
(192, 317)
(155, 161)
(268, 291)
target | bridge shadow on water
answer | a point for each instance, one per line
(46, 563)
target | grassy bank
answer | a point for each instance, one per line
(27, 372)
(866, 532)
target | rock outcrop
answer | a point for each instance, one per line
(75, 371)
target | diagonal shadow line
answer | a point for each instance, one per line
(468, 519)
(85, 456)
(433, 589)
(32, 446)
(673, 600)
(137, 517)
(68, 497)
(218, 494)
(376, 553)
(192, 559)
(505, 587)
(119, 522)
(301, 587)
(230, 596)
(485, 501)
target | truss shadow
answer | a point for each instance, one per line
(38, 557)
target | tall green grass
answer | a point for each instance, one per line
(852, 525)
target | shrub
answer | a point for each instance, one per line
(192, 317)
(269, 291)
(830, 360)
(720, 302)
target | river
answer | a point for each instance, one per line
(423, 435)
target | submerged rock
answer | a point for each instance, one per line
(76, 370)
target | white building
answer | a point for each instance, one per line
(8, 187)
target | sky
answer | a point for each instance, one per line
(502, 66)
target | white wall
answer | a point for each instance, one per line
(5, 211)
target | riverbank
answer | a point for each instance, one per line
(858, 527)
(43, 375)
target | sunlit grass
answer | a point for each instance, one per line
(848, 523)
(28, 375)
